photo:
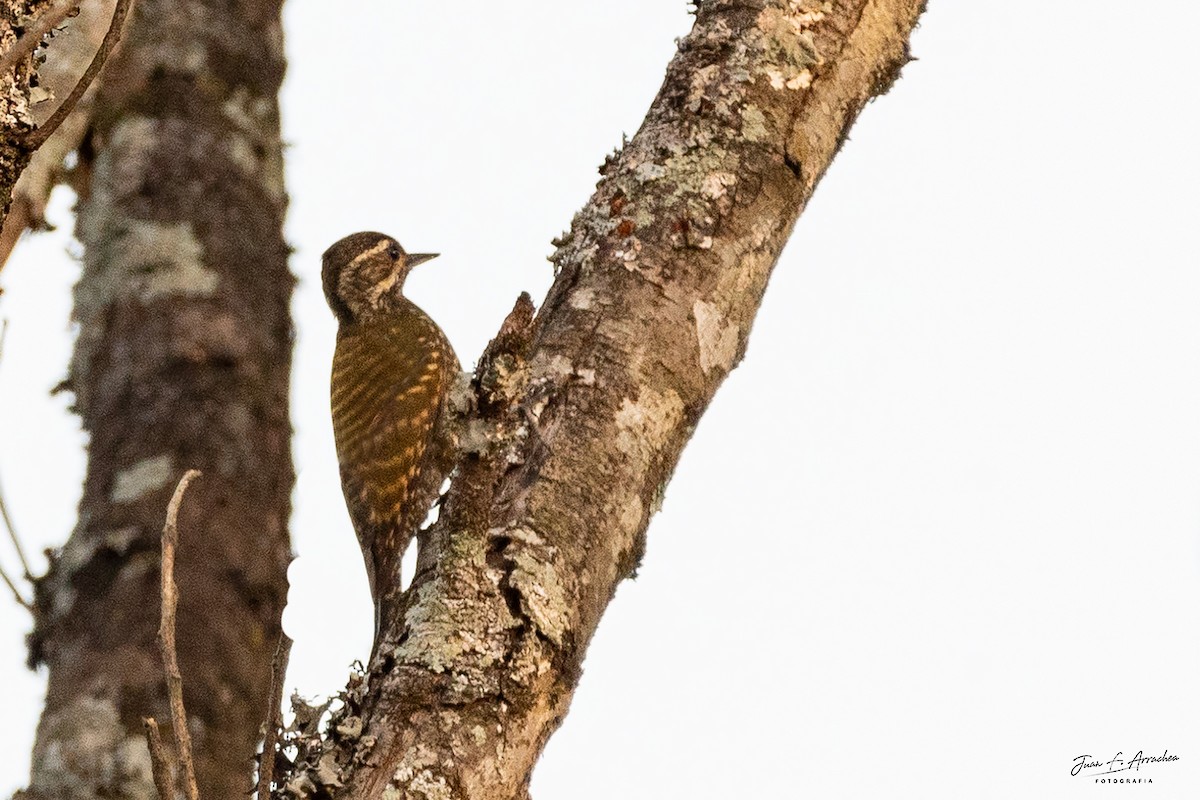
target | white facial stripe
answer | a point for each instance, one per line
(365, 254)
(384, 286)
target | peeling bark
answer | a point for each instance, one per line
(182, 361)
(581, 417)
(71, 50)
(16, 117)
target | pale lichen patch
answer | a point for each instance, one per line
(748, 261)
(716, 184)
(170, 257)
(645, 425)
(754, 125)
(582, 299)
(801, 80)
(629, 255)
(79, 550)
(477, 436)
(241, 153)
(454, 636)
(62, 599)
(149, 260)
(247, 111)
(789, 48)
(779, 80)
(702, 80)
(717, 340)
(557, 366)
(461, 393)
(543, 597)
(253, 145)
(414, 777)
(120, 540)
(84, 751)
(136, 771)
(327, 773)
(631, 514)
(126, 256)
(122, 164)
(649, 171)
(553, 370)
(803, 14)
(147, 475)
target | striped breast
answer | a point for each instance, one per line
(389, 378)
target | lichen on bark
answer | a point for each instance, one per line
(181, 361)
(16, 114)
(657, 284)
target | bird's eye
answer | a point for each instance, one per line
(394, 252)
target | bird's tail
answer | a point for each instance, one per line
(386, 608)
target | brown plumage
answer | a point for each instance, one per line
(392, 369)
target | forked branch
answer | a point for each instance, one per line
(43, 132)
(22, 48)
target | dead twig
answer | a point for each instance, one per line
(160, 763)
(166, 639)
(266, 762)
(8, 525)
(41, 133)
(12, 535)
(32, 37)
(21, 601)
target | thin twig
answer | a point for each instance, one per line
(32, 37)
(12, 533)
(41, 133)
(21, 601)
(166, 639)
(160, 763)
(266, 762)
(8, 523)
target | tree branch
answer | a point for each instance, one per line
(40, 134)
(574, 439)
(7, 520)
(161, 766)
(12, 535)
(266, 762)
(166, 639)
(12, 587)
(22, 48)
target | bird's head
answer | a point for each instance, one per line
(364, 273)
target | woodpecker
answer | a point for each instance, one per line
(392, 370)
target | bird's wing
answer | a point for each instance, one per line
(386, 393)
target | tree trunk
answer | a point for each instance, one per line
(182, 361)
(581, 415)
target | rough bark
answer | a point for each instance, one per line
(16, 118)
(182, 361)
(66, 59)
(581, 417)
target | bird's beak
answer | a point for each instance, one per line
(418, 258)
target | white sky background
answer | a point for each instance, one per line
(938, 533)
